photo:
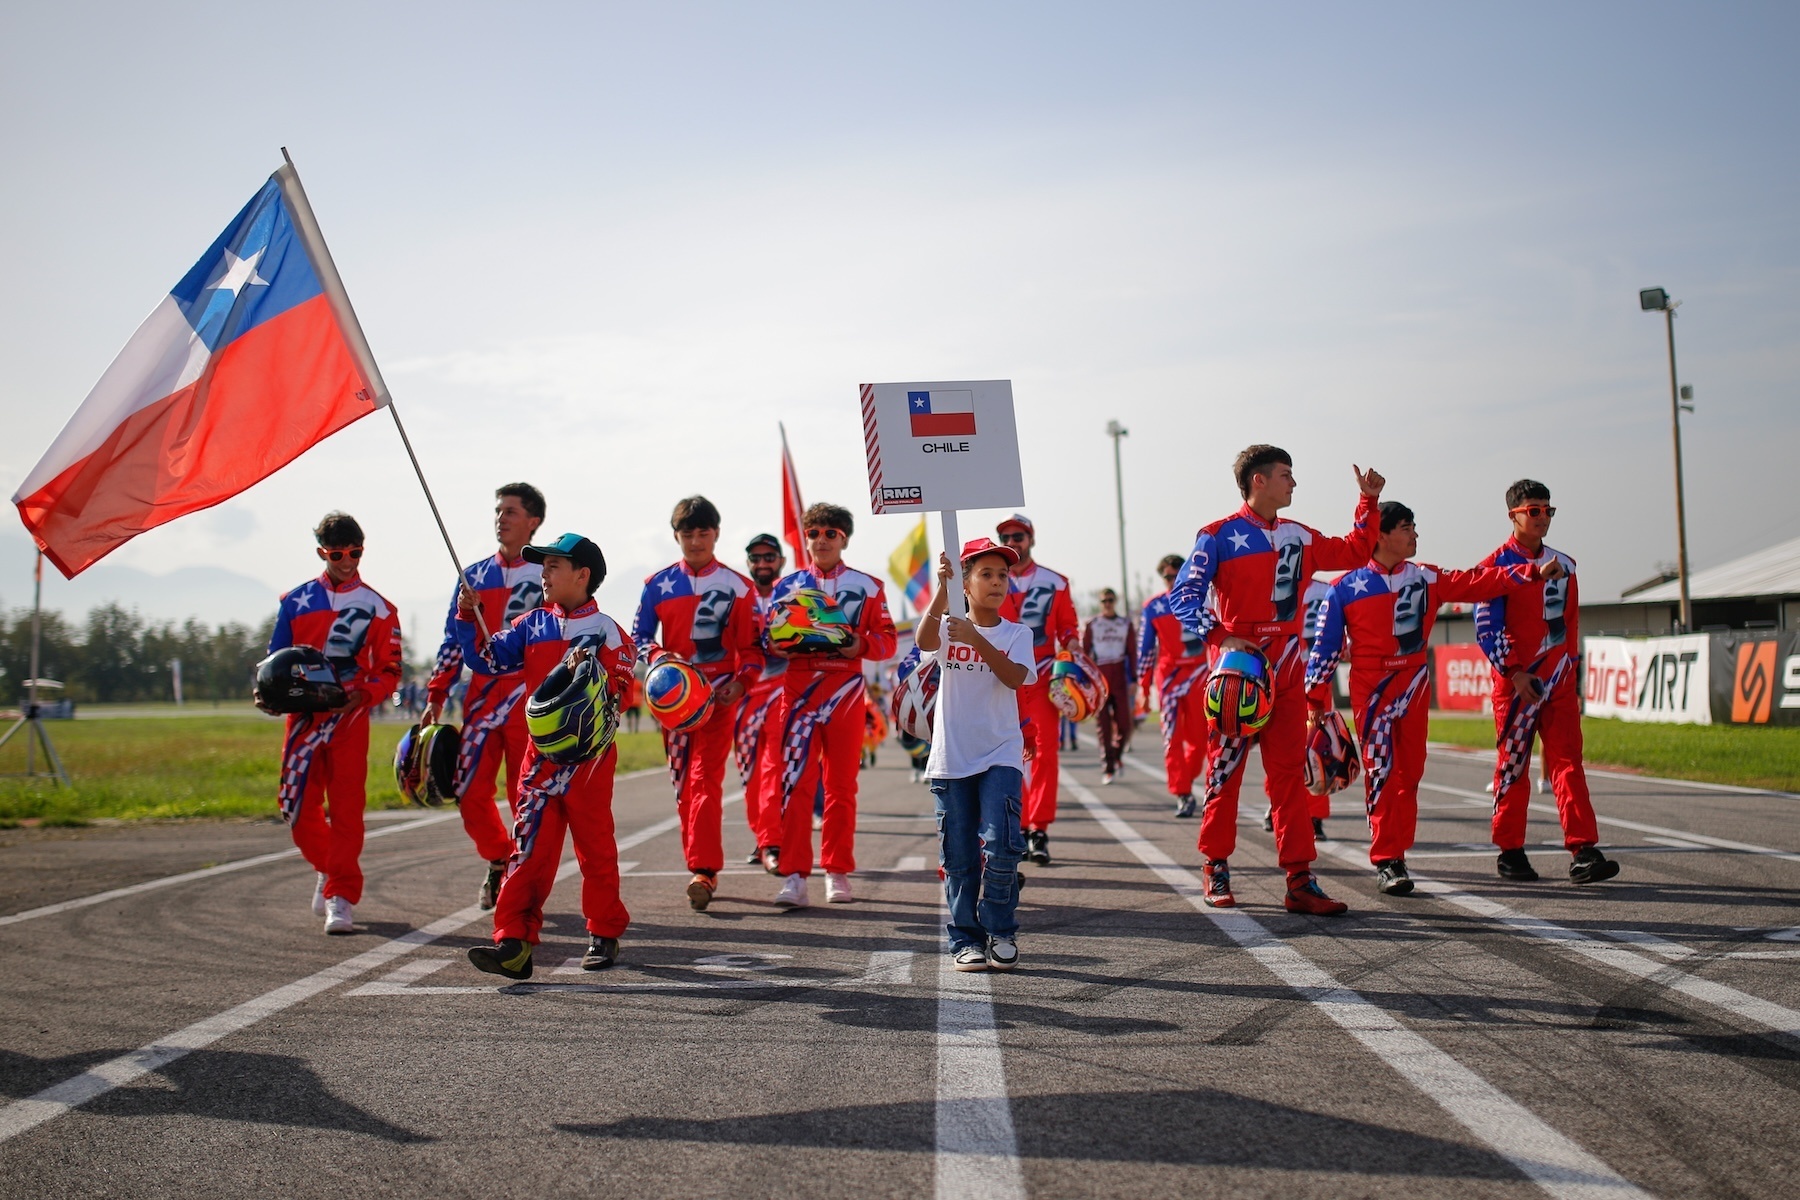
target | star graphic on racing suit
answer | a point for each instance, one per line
(1240, 541)
(667, 585)
(1358, 584)
(303, 599)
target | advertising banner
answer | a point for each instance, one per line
(1463, 678)
(937, 447)
(1665, 680)
(1756, 677)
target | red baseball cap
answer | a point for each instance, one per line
(982, 545)
(1019, 519)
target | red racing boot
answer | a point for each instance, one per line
(1305, 896)
(1215, 885)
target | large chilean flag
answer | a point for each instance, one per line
(250, 360)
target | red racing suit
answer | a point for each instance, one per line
(823, 729)
(555, 798)
(1536, 629)
(493, 722)
(1255, 574)
(325, 756)
(1175, 660)
(1387, 617)
(1111, 643)
(708, 618)
(756, 740)
(1038, 598)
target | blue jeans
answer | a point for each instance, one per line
(980, 842)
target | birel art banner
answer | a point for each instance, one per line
(1666, 680)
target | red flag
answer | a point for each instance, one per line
(792, 507)
(251, 358)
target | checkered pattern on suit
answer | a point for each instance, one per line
(803, 719)
(297, 756)
(1389, 701)
(489, 717)
(1521, 727)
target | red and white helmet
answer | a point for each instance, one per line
(915, 694)
(1077, 688)
(1331, 761)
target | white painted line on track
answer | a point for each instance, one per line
(1487, 757)
(23, 1115)
(1487, 801)
(884, 967)
(150, 885)
(1555, 1163)
(977, 1146)
(1752, 1010)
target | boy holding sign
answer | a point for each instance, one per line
(977, 765)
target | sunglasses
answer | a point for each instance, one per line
(1533, 510)
(1015, 537)
(765, 558)
(353, 553)
(829, 535)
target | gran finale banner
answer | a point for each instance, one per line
(1741, 678)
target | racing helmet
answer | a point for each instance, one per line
(915, 694)
(678, 695)
(425, 764)
(808, 619)
(1077, 688)
(297, 679)
(1240, 693)
(1331, 763)
(572, 716)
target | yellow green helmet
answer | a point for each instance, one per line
(572, 716)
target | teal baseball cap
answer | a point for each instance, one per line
(577, 549)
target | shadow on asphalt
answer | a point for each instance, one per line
(1201, 1127)
(267, 1089)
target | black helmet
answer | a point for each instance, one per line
(425, 764)
(297, 679)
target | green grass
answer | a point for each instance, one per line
(1748, 756)
(200, 766)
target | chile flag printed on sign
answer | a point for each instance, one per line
(941, 414)
(241, 368)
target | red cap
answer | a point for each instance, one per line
(981, 546)
(1019, 519)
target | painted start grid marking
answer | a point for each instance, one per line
(1555, 1163)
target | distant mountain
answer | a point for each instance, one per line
(213, 595)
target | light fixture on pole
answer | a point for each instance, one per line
(1116, 431)
(1657, 300)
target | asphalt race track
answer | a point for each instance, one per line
(203, 1038)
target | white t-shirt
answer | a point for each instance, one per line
(977, 721)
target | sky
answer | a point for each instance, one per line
(606, 248)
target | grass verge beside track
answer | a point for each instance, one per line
(1744, 755)
(204, 766)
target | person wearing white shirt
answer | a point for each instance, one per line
(977, 764)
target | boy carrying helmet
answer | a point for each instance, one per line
(567, 779)
(325, 755)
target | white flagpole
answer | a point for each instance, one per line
(374, 387)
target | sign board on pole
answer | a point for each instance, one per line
(938, 447)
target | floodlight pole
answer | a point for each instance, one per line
(1657, 300)
(1681, 557)
(1116, 431)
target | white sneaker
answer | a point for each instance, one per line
(1106, 777)
(319, 895)
(1543, 785)
(917, 775)
(792, 893)
(837, 888)
(339, 916)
